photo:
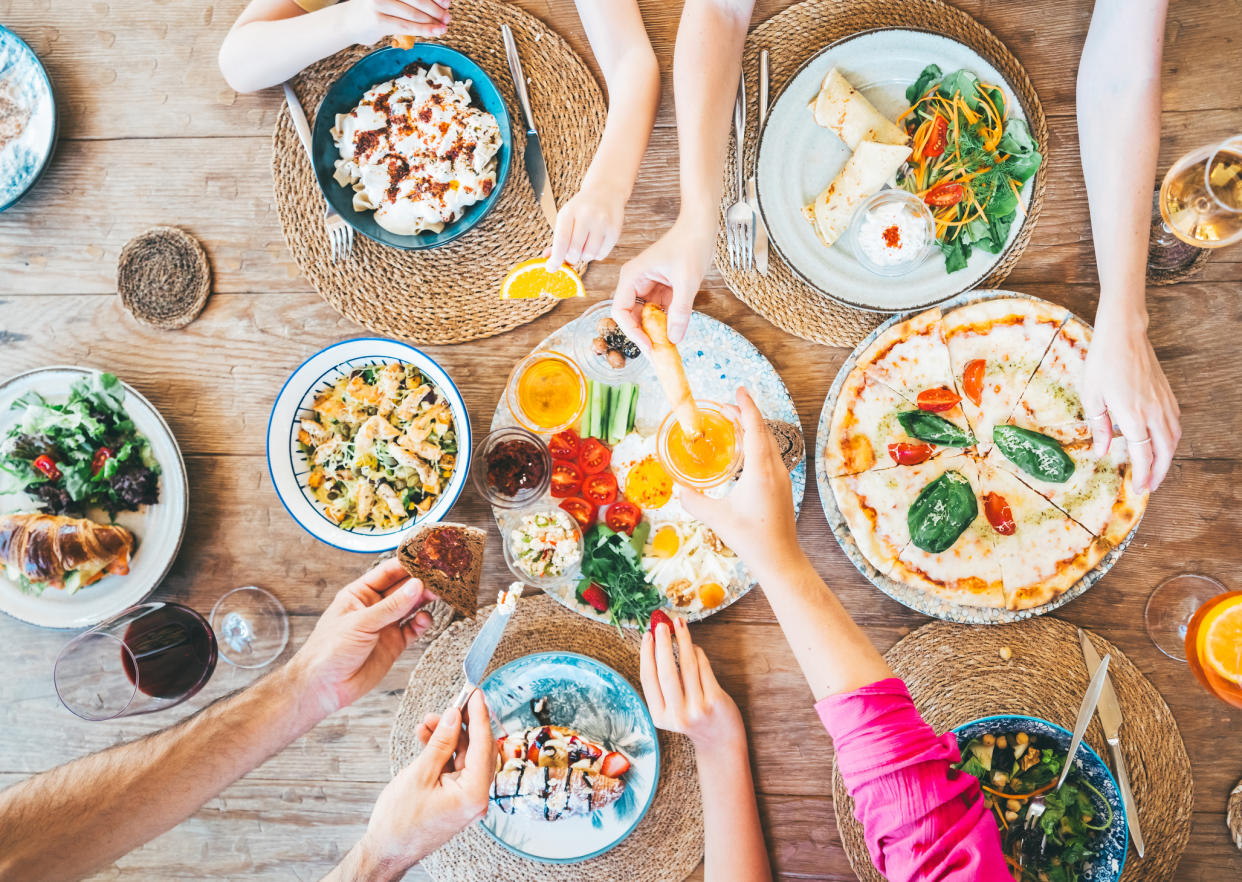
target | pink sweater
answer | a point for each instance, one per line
(922, 819)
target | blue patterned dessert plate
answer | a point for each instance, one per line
(28, 120)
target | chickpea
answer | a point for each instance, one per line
(1002, 742)
(999, 779)
(1086, 819)
(1011, 816)
(1006, 653)
(989, 740)
(1023, 738)
(1013, 805)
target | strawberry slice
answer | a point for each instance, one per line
(660, 617)
(614, 765)
(532, 754)
(596, 596)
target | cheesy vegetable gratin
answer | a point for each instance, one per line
(416, 151)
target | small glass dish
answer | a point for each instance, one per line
(479, 467)
(882, 212)
(586, 331)
(513, 398)
(679, 476)
(511, 521)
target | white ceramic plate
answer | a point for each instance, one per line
(798, 159)
(157, 528)
(288, 466)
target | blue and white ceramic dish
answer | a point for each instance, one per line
(288, 465)
(344, 95)
(585, 695)
(28, 120)
(1111, 846)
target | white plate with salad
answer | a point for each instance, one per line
(983, 167)
(80, 443)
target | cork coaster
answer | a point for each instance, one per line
(958, 673)
(1168, 264)
(666, 845)
(450, 294)
(163, 278)
(793, 36)
(1233, 815)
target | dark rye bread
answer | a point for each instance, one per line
(788, 441)
(460, 590)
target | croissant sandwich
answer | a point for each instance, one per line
(41, 551)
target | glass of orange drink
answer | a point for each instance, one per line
(1198, 620)
(547, 392)
(707, 460)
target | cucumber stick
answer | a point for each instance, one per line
(599, 401)
(629, 423)
(618, 423)
(584, 424)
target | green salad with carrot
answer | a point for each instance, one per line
(969, 161)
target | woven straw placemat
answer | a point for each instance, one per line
(956, 674)
(666, 845)
(450, 294)
(792, 37)
(163, 277)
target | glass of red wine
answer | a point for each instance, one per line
(150, 657)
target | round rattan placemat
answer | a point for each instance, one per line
(956, 674)
(666, 845)
(163, 278)
(449, 294)
(794, 35)
(1233, 815)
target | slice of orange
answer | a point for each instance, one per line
(531, 279)
(1222, 641)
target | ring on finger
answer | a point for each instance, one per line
(1146, 440)
(1099, 416)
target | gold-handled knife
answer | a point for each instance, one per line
(1109, 712)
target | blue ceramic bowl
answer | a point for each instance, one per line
(24, 158)
(1111, 846)
(344, 95)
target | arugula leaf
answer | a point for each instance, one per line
(915, 90)
(611, 561)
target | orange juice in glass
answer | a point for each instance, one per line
(705, 460)
(1214, 646)
(547, 392)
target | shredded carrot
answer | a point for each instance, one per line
(1000, 814)
(1014, 185)
(1019, 796)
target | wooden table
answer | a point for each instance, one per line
(150, 134)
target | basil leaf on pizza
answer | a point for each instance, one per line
(933, 429)
(1036, 454)
(941, 512)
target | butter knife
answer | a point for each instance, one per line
(1109, 713)
(1089, 701)
(536, 168)
(485, 643)
(761, 230)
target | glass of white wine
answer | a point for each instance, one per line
(1200, 205)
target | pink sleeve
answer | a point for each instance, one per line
(923, 820)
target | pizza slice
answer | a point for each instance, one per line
(1051, 402)
(994, 348)
(866, 432)
(1042, 552)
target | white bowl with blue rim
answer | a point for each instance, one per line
(28, 119)
(601, 705)
(289, 468)
(1111, 843)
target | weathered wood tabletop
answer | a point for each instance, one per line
(150, 134)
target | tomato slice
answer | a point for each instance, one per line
(937, 400)
(910, 452)
(944, 195)
(600, 489)
(564, 445)
(594, 457)
(566, 479)
(102, 455)
(999, 514)
(972, 379)
(580, 510)
(937, 138)
(47, 466)
(623, 517)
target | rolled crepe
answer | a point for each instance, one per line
(868, 170)
(842, 108)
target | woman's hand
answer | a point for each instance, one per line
(368, 21)
(587, 226)
(1123, 385)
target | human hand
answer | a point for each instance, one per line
(668, 274)
(439, 794)
(360, 635)
(587, 226)
(687, 698)
(368, 21)
(1123, 385)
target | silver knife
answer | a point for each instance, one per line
(1110, 720)
(298, 115)
(761, 231)
(485, 643)
(536, 168)
(1089, 701)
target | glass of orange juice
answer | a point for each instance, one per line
(704, 461)
(547, 392)
(1198, 620)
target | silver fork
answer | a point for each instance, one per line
(740, 219)
(340, 234)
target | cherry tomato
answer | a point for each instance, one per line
(594, 457)
(47, 466)
(998, 513)
(937, 400)
(937, 138)
(623, 517)
(972, 379)
(580, 510)
(566, 479)
(102, 455)
(944, 195)
(600, 489)
(564, 445)
(910, 452)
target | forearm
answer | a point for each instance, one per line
(733, 836)
(1118, 108)
(360, 864)
(258, 54)
(79, 817)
